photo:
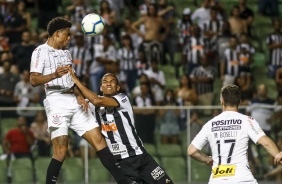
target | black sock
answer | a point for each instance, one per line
(109, 161)
(53, 171)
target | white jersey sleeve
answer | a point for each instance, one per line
(122, 100)
(201, 138)
(38, 60)
(254, 130)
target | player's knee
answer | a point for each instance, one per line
(95, 139)
(60, 146)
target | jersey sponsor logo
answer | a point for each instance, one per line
(37, 58)
(257, 131)
(109, 127)
(227, 122)
(224, 128)
(115, 147)
(224, 170)
(157, 173)
(118, 149)
(56, 119)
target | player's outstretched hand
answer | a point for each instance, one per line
(61, 70)
(73, 76)
(278, 158)
(84, 104)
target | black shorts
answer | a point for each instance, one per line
(144, 170)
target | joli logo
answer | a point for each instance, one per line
(224, 170)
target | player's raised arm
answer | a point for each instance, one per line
(93, 97)
(37, 79)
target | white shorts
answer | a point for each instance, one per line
(63, 112)
(234, 181)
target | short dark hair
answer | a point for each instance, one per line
(56, 24)
(111, 74)
(231, 95)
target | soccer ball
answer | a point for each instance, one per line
(92, 24)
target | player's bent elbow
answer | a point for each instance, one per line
(97, 102)
(191, 150)
(34, 83)
(265, 141)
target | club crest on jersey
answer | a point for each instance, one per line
(56, 119)
(124, 100)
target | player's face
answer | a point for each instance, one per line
(63, 38)
(109, 86)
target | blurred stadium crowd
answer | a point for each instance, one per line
(165, 53)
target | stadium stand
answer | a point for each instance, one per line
(40, 167)
(97, 172)
(73, 170)
(3, 171)
(22, 171)
(175, 167)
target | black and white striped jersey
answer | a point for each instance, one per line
(231, 60)
(127, 58)
(210, 25)
(118, 127)
(275, 53)
(194, 49)
(81, 56)
(203, 72)
(45, 60)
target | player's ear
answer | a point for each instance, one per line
(118, 87)
(221, 101)
(57, 33)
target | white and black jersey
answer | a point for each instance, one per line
(201, 72)
(210, 25)
(194, 49)
(81, 56)
(118, 127)
(45, 60)
(183, 30)
(127, 59)
(275, 53)
(231, 60)
(90, 41)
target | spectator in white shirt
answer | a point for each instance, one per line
(157, 79)
(202, 14)
(105, 55)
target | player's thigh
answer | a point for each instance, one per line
(58, 115)
(152, 173)
(82, 121)
(130, 168)
(95, 138)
